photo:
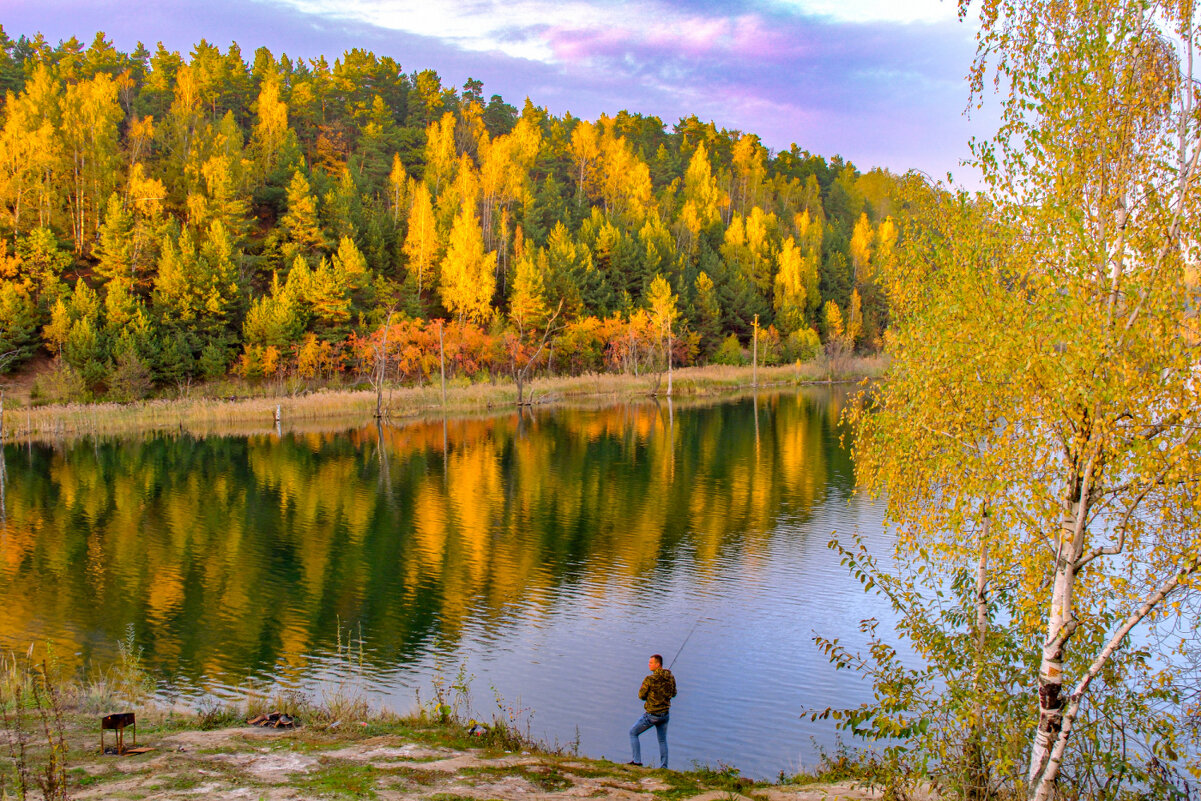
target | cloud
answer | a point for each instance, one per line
(519, 28)
(859, 11)
(876, 92)
(512, 28)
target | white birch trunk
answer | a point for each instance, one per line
(1060, 625)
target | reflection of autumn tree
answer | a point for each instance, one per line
(234, 555)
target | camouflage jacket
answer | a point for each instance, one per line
(657, 690)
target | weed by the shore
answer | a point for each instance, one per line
(507, 723)
(723, 776)
(346, 700)
(451, 697)
(31, 710)
(130, 681)
(213, 713)
(857, 766)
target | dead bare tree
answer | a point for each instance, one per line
(521, 372)
(381, 366)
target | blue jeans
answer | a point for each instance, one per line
(645, 722)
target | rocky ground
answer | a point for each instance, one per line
(386, 761)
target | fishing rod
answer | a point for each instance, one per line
(686, 639)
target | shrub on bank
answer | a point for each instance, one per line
(729, 352)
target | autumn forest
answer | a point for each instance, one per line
(166, 218)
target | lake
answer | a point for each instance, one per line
(546, 554)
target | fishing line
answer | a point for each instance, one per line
(686, 639)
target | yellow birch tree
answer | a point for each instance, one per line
(1042, 380)
(421, 243)
(468, 280)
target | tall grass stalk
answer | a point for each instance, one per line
(31, 712)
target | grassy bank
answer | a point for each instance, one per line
(341, 748)
(200, 414)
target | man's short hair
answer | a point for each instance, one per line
(658, 659)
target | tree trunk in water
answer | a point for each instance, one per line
(3, 490)
(669, 360)
(442, 363)
(755, 356)
(381, 363)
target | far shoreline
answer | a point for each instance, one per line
(203, 412)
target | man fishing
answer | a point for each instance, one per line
(657, 691)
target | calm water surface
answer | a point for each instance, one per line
(549, 554)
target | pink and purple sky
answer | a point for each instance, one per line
(878, 81)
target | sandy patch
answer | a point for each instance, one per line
(273, 766)
(384, 749)
(220, 738)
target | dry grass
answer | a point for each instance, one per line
(329, 407)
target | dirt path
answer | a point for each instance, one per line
(277, 766)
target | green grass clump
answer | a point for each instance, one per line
(340, 778)
(548, 780)
(843, 764)
(702, 778)
(175, 782)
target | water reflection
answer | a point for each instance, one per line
(3, 490)
(552, 549)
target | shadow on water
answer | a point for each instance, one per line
(551, 550)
